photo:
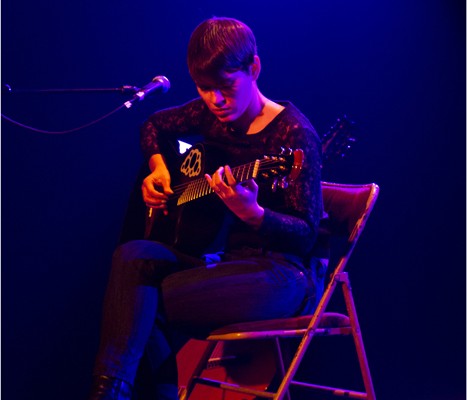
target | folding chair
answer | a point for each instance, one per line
(348, 207)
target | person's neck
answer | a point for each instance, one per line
(253, 111)
(266, 110)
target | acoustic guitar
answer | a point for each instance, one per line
(192, 226)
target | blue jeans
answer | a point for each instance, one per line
(154, 292)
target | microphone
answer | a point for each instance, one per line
(158, 82)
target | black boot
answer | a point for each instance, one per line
(107, 388)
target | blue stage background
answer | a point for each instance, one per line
(396, 67)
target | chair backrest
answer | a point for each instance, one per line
(348, 208)
(347, 204)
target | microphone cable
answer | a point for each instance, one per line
(64, 131)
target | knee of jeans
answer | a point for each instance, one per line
(125, 261)
(128, 251)
(143, 250)
(128, 265)
(147, 260)
(130, 260)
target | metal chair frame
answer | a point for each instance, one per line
(348, 207)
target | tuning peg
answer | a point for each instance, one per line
(274, 185)
(284, 183)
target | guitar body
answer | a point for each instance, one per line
(248, 363)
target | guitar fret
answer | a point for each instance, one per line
(194, 190)
(255, 168)
(207, 189)
(197, 192)
(237, 175)
(242, 172)
(190, 191)
(245, 172)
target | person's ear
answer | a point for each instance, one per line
(255, 67)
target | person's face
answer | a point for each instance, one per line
(228, 98)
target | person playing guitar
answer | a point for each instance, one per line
(232, 225)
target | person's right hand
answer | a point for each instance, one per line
(156, 188)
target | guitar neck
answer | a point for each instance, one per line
(198, 188)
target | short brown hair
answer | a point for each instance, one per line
(220, 44)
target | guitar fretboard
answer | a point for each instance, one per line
(199, 187)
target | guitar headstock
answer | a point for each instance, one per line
(338, 140)
(281, 168)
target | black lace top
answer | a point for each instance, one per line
(292, 214)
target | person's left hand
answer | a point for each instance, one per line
(240, 198)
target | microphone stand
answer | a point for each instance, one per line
(126, 89)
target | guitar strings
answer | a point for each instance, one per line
(182, 186)
(200, 187)
(202, 183)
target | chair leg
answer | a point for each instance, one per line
(357, 336)
(280, 364)
(293, 367)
